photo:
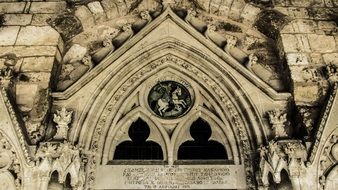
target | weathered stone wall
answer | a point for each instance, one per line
(38, 32)
(36, 35)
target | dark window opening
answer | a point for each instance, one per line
(54, 183)
(284, 184)
(201, 147)
(138, 148)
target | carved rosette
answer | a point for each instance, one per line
(62, 118)
(279, 122)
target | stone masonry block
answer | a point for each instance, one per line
(8, 35)
(288, 29)
(310, 94)
(331, 58)
(27, 51)
(97, 10)
(322, 43)
(85, 16)
(40, 19)
(290, 42)
(298, 12)
(297, 59)
(12, 7)
(47, 7)
(17, 19)
(316, 58)
(40, 78)
(110, 8)
(36, 35)
(304, 26)
(250, 13)
(37, 64)
(303, 43)
(25, 95)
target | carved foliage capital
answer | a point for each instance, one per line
(62, 118)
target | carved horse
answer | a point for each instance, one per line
(175, 98)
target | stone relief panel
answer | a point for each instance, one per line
(124, 99)
(169, 99)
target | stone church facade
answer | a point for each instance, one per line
(169, 94)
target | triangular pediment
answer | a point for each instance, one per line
(168, 28)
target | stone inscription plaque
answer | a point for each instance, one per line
(170, 177)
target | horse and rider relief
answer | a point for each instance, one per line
(169, 99)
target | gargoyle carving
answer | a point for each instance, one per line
(251, 62)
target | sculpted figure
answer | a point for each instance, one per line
(107, 48)
(215, 37)
(191, 18)
(145, 19)
(125, 35)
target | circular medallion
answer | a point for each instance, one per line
(169, 99)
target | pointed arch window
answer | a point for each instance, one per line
(139, 148)
(201, 148)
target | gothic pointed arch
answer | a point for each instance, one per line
(119, 134)
(118, 90)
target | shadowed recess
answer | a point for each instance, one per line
(139, 148)
(201, 147)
